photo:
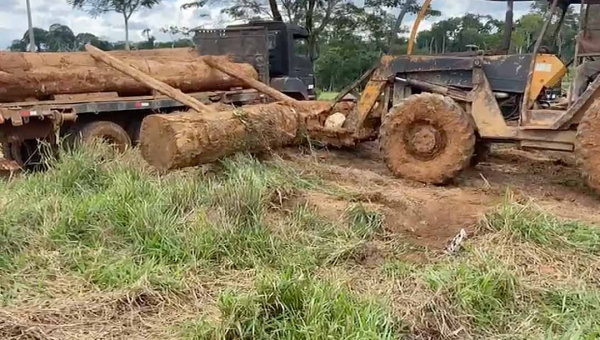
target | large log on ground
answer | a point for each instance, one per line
(80, 74)
(181, 140)
(186, 139)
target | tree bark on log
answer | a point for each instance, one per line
(76, 75)
(24, 61)
(184, 139)
(181, 140)
(145, 79)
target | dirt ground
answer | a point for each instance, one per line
(430, 216)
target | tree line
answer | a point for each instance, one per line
(345, 39)
(61, 38)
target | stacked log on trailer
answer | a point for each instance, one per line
(40, 76)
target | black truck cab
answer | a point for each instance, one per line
(289, 68)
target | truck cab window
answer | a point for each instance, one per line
(301, 46)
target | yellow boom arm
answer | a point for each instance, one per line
(413, 33)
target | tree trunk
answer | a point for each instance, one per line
(508, 26)
(181, 140)
(397, 24)
(275, 10)
(77, 73)
(145, 79)
(310, 27)
(127, 47)
(444, 44)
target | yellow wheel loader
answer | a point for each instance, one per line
(434, 114)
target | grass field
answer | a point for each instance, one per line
(327, 95)
(98, 247)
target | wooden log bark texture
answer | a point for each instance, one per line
(187, 139)
(26, 76)
(145, 79)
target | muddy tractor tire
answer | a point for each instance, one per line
(427, 138)
(587, 146)
(106, 131)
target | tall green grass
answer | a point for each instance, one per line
(487, 293)
(526, 224)
(113, 223)
(116, 223)
(295, 306)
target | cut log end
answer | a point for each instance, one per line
(161, 151)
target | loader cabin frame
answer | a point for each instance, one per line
(499, 91)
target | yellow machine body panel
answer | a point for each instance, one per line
(548, 72)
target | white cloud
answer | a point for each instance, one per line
(13, 19)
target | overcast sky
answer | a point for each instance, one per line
(13, 17)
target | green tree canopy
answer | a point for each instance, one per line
(124, 7)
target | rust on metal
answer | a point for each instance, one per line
(34, 130)
(485, 110)
(540, 119)
(578, 109)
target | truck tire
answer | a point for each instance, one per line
(427, 138)
(26, 153)
(587, 146)
(109, 132)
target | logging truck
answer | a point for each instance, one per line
(45, 97)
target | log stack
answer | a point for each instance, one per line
(39, 76)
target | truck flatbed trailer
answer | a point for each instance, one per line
(23, 124)
(18, 113)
